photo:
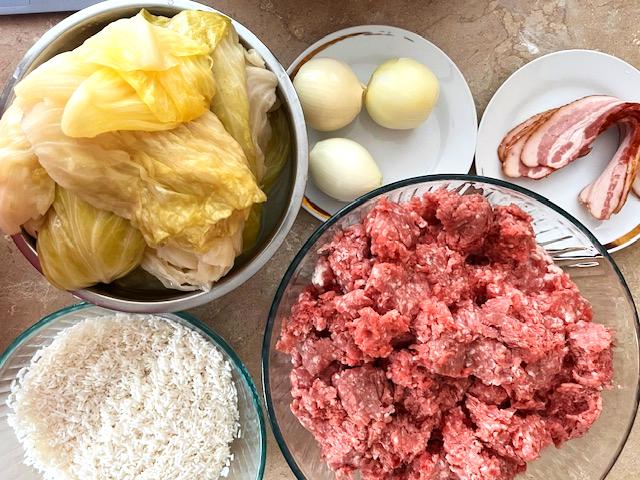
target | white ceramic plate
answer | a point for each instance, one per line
(551, 81)
(443, 144)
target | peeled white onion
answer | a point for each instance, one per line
(401, 94)
(343, 169)
(330, 93)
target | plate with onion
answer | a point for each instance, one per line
(381, 104)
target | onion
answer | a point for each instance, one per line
(330, 93)
(343, 169)
(401, 94)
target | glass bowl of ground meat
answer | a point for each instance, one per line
(452, 327)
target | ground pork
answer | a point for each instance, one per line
(437, 341)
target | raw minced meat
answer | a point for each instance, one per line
(437, 341)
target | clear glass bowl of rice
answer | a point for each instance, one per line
(247, 449)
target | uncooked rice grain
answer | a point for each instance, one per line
(126, 397)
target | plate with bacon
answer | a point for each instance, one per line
(567, 126)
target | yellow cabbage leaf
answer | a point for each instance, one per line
(204, 27)
(278, 148)
(252, 227)
(187, 270)
(79, 245)
(184, 187)
(93, 104)
(231, 102)
(55, 80)
(26, 191)
(119, 45)
(276, 155)
(261, 87)
(106, 85)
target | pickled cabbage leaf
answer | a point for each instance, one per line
(55, 80)
(231, 101)
(261, 87)
(183, 187)
(104, 85)
(26, 191)
(276, 155)
(252, 227)
(112, 46)
(204, 27)
(186, 270)
(90, 109)
(79, 245)
(252, 57)
(278, 148)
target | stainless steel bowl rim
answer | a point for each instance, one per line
(379, 192)
(186, 300)
(195, 324)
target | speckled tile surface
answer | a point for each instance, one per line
(487, 39)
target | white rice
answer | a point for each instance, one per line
(126, 397)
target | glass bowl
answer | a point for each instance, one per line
(572, 247)
(249, 450)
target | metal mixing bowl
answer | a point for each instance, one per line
(140, 292)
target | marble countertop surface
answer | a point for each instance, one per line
(487, 39)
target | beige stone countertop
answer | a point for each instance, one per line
(487, 39)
